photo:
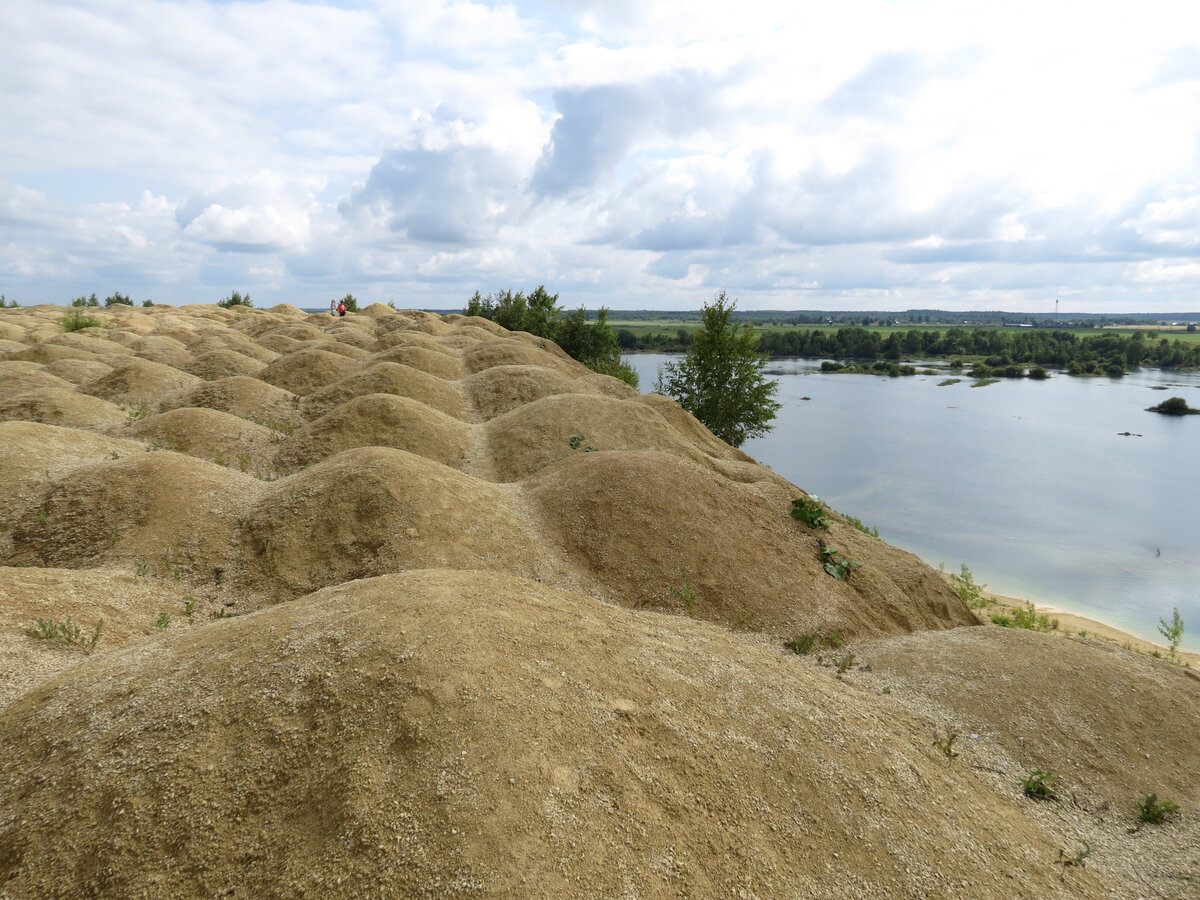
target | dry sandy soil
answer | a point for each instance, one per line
(399, 605)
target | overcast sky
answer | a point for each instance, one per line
(631, 153)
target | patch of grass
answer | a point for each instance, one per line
(857, 523)
(163, 620)
(65, 633)
(948, 382)
(810, 511)
(1037, 787)
(138, 410)
(984, 382)
(684, 593)
(1025, 617)
(1154, 811)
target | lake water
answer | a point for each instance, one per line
(1029, 483)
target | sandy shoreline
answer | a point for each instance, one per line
(1073, 624)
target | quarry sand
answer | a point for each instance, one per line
(402, 605)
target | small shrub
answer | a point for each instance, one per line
(138, 410)
(86, 301)
(77, 319)
(1153, 811)
(147, 303)
(968, 591)
(163, 620)
(946, 744)
(1076, 860)
(815, 640)
(810, 511)
(845, 663)
(66, 633)
(1036, 785)
(118, 299)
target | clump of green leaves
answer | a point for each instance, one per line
(837, 565)
(1153, 811)
(1172, 631)
(163, 620)
(65, 633)
(1037, 786)
(1025, 617)
(138, 410)
(810, 511)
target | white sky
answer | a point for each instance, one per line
(878, 155)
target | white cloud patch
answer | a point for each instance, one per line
(635, 154)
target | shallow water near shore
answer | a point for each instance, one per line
(1030, 483)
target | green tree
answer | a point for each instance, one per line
(86, 301)
(1172, 631)
(234, 299)
(118, 299)
(351, 303)
(720, 379)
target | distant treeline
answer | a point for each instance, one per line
(998, 348)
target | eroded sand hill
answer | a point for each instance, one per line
(399, 605)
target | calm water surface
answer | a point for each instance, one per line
(1029, 483)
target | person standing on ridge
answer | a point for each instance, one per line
(341, 308)
(333, 304)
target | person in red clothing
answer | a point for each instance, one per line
(342, 308)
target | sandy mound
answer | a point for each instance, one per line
(515, 351)
(78, 371)
(14, 381)
(374, 511)
(122, 604)
(261, 403)
(222, 364)
(136, 381)
(33, 457)
(304, 371)
(287, 309)
(1110, 737)
(435, 362)
(377, 311)
(649, 527)
(57, 406)
(231, 340)
(208, 434)
(413, 339)
(163, 512)
(48, 353)
(433, 734)
(379, 420)
(537, 434)
(502, 389)
(385, 378)
(95, 341)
